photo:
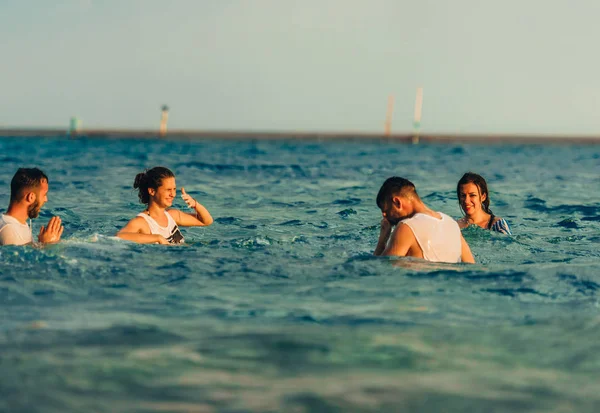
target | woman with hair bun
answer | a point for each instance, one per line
(474, 201)
(157, 189)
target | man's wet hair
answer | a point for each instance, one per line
(394, 186)
(150, 178)
(25, 179)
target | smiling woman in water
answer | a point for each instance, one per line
(474, 200)
(156, 224)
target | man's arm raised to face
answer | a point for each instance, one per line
(401, 239)
(384, 235)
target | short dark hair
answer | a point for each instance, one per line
(479, 181)
(393, 186)
(24, 179)
(150, 178)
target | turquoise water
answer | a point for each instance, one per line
(279, 305)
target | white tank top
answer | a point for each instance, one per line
(170, 232)
(438, 238)
(12, 232)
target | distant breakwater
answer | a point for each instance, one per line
(193, 135)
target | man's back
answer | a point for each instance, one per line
(439, 239)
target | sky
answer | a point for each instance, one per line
(516, 66)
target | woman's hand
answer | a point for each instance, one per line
(191, 202)
(161, 240)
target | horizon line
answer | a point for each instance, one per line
(255, 134)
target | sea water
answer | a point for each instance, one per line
(280, 305)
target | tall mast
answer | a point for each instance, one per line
(418, 112)
(388, 116)
(163, 120)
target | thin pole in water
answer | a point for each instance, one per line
(418, 112)
(388, 116)
(163, 120)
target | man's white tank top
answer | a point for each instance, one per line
(171, 232)
(438, 238)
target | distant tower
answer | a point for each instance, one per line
(388, 116)
(418, 111)
(74, 126)
(163, 120)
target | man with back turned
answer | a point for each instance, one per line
(419, 231)
(28, 193)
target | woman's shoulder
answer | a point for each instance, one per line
(499, 224)
(498, 219)
(138, 218)
(138, 223)
(173, 212)
(462, 222)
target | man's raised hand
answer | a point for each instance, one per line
(386, 227)
(52, 232)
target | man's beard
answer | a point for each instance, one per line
(33, 211)
(394, 221)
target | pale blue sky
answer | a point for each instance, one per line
(485, 66)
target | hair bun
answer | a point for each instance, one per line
(139, 180)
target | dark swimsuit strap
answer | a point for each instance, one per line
(491, 221)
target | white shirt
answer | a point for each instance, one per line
(439, 239)
(12, 232)
(171, 232)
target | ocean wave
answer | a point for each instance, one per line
(539, 205)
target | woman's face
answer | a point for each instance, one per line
(165, 193)
(470, 198)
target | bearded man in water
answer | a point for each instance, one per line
(28, 193)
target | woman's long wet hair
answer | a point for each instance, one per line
(473, 178)
(150, 178)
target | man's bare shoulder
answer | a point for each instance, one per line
(405, 242)
(403, 231)
(402, 238)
